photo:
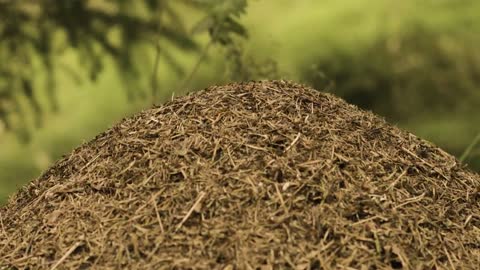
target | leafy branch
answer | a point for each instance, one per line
(34, 34)
(222, 25)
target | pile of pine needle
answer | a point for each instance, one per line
(258, 175)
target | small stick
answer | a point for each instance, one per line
(281, 198)
(197, 202)
(153, 200)
(392, 185)
(411, 200)
(449, 258)
(294, 142)
(90, 162)
(467, 220)
(378, 246)
(70, 251)
(158, 217)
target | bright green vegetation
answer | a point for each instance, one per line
(423, 52)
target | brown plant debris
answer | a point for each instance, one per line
(258, 175)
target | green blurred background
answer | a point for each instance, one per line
(415, 62)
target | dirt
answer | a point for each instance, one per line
(257, 175)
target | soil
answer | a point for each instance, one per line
(257, 175)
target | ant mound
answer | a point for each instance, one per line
(258, 175)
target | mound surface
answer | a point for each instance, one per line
(261, 175)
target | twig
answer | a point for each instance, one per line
(378, 246)
(449, 258)
(90, 162)
(281, 198)
(392, 185)
(411, 200)
(158, 217)
(70, 251)
(467, 220)
(197, 202)
(294, 142)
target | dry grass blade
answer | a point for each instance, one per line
(470, 148)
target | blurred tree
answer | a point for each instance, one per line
(34, 33)
(403, 75)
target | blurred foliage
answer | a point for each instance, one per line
(406, 74)
(221, 21)
(34, 34)
(243, 66)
